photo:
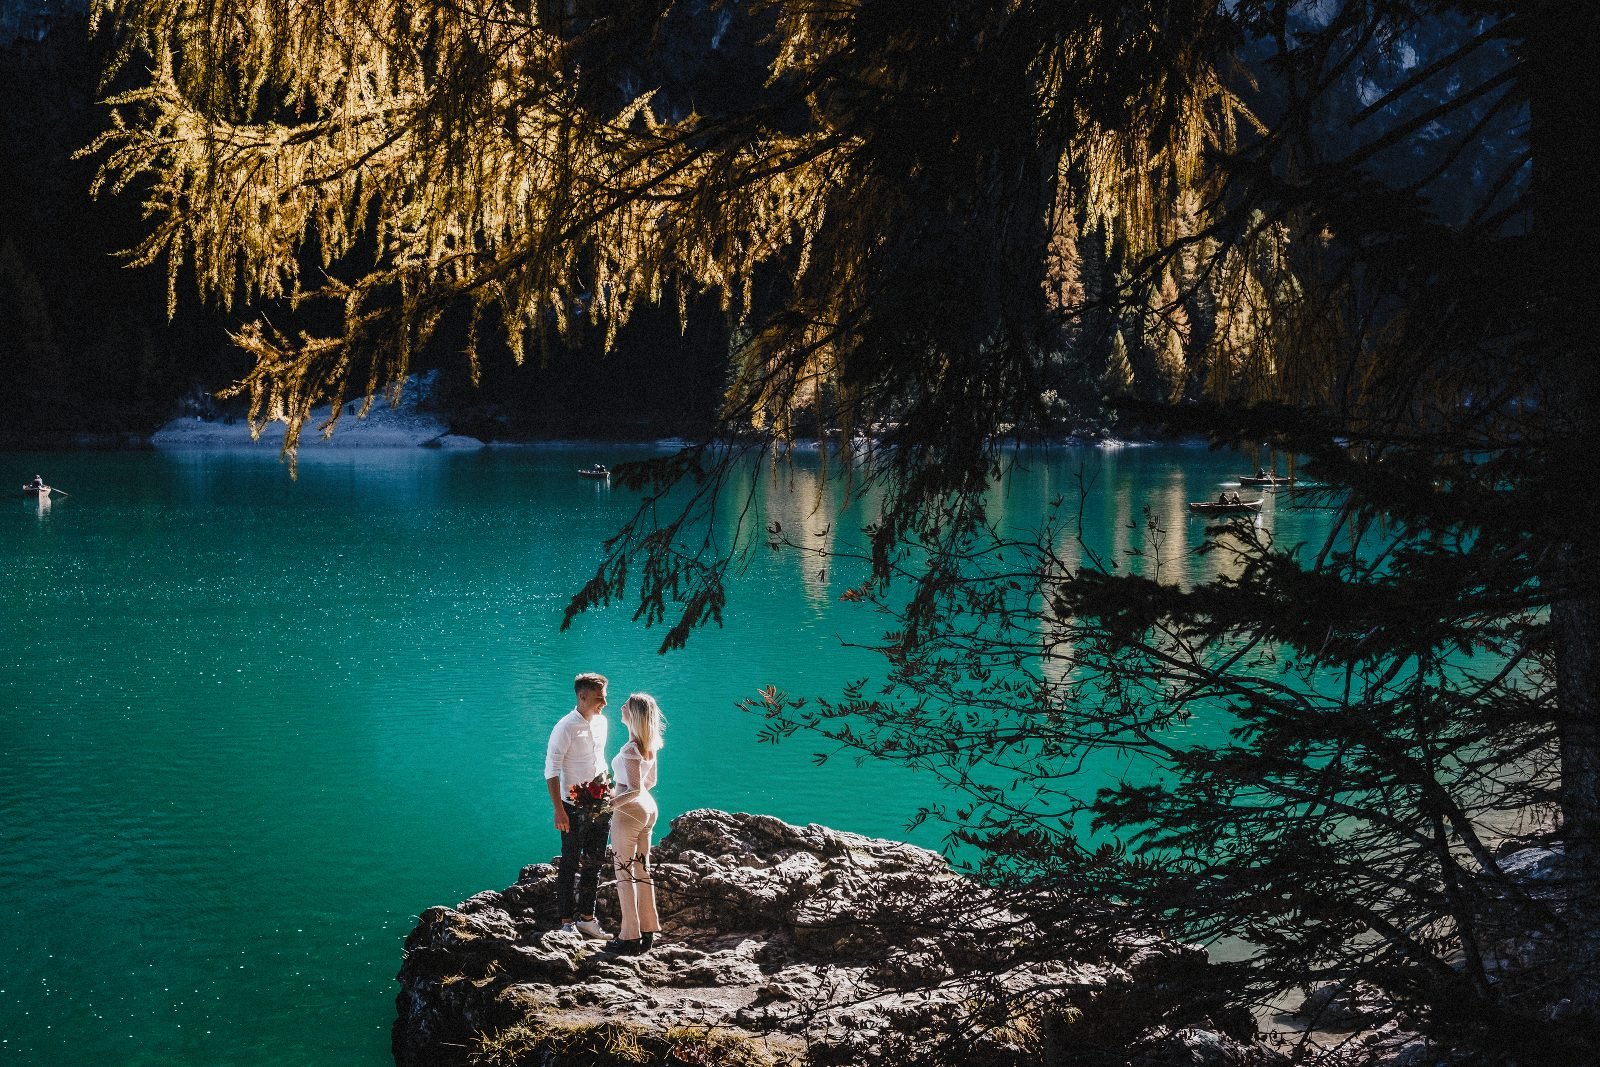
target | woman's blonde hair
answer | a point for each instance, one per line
(642, 716)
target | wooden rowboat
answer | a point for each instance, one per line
(1212, 507)
(38, 492)
(1266, 479)
(597, 472)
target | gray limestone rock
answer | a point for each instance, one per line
(780, 944)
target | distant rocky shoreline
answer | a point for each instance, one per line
(406, 423)
(786, 944)
(414, 421)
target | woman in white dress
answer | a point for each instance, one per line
(633, 817)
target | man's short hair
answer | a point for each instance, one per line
(589, 680)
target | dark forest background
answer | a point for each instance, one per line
(89, 355)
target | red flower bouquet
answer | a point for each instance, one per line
(593, 797)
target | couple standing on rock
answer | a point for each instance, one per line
(587, 805)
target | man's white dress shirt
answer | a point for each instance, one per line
(577, 751)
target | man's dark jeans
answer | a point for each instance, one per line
(583, 853)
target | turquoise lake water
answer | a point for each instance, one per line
(251, 726)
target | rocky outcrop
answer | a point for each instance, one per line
(24, 21)
(782, 944)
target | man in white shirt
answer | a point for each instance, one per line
(577, 755)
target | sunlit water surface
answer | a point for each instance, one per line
(251, 726)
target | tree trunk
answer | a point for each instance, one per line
(1564, 96)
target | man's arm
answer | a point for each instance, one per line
(554, 754)
(562, 822)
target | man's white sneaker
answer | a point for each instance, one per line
(591, 929)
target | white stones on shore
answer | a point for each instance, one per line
(401, 425)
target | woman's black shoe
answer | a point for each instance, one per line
(647, 941)
(619, 947)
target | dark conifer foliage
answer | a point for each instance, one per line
(1398, 698)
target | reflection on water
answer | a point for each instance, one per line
(1117, 509)
(800, 508)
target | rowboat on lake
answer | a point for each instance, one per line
(36, 489)
(597, 472)
(1217, 507)
(1262, 477)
